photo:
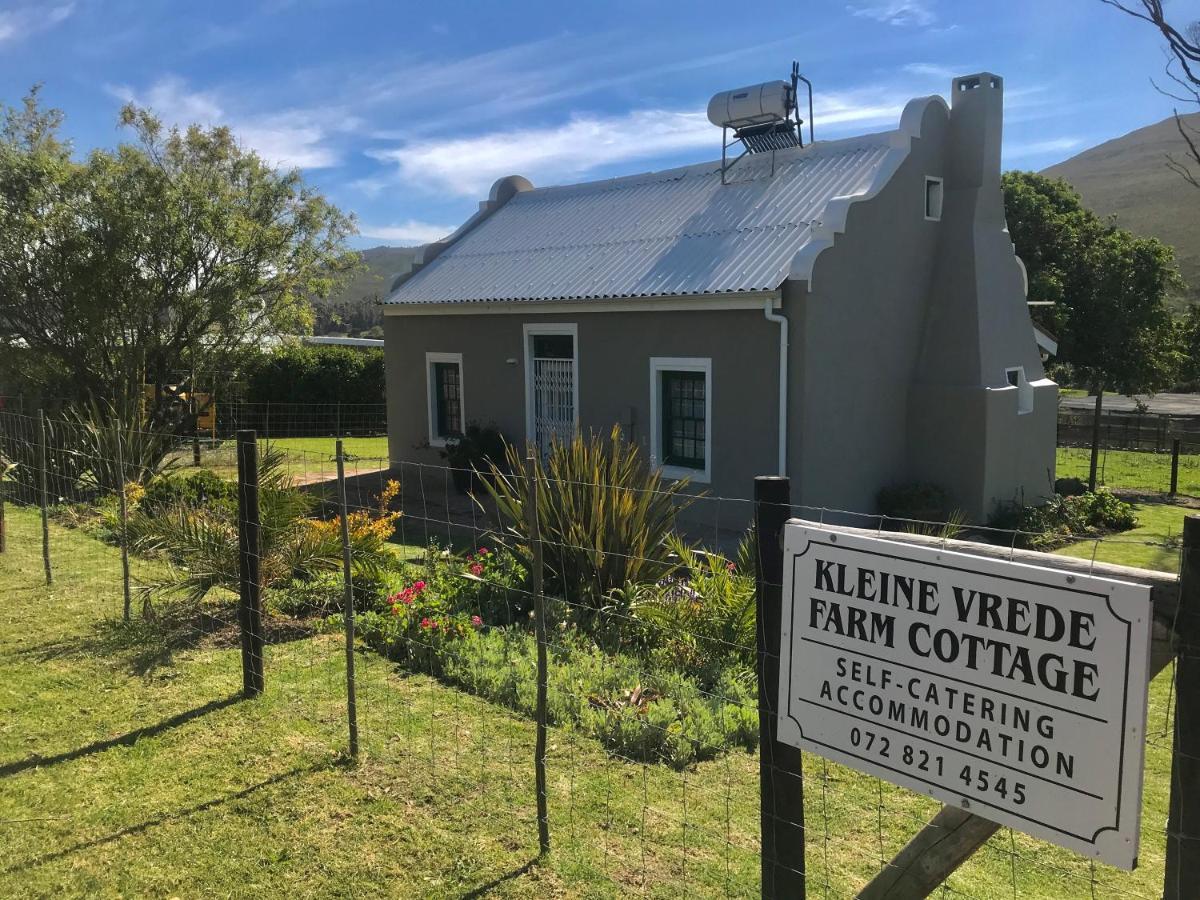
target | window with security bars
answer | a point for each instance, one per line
(447, 388)
(683, 419)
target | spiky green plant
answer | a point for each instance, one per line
(705, 615)
(604, 515)
(201, 542)
(113, 447)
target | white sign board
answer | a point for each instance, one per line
(1014, 691)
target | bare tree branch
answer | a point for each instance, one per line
(1183, 49)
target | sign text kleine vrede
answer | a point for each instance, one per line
(1014, 691)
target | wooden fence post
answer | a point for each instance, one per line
(3, 491)
(347, 604)
(1175, 444)
(1182, 873)
(539, 615)
(124, 511)
(781, 778)
(249, 560)
(43, 495)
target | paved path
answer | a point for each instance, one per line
(1159, 404)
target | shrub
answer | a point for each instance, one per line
(665, 718)
(702, 619)
(918, 501)
(202, 542)
(1061, 518)
(199, 488)
(603, 514)
(319, 374)
(473, 451)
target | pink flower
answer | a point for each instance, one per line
(483, 551)
(419, 586)
(426, 624)
(476, 621)
(476, 569)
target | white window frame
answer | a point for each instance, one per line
(658, 365)
(528, 330)
(431, 386)
(941, 195)
(1024, 389)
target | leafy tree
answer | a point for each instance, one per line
(178, 253)
(1109, 289)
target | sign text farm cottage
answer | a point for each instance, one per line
(1013, 691)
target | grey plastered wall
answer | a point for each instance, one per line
(614, 378)
(856, 336)
(966, 431)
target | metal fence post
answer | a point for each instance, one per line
(249, 559)
(539, 613)
(347, 604)
(1182, 872)
(1175, 444)
(43, 495)
(124, 510)
(781, 778)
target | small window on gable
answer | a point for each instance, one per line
(1016, 378)
(933, 199)
(443, 372)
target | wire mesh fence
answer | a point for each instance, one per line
(1145, 454)
(637, 760)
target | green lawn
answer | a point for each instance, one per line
(307, 458)
(118, 779)
(1153, 544)
(1131, 470)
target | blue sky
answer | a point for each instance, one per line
(404, 113)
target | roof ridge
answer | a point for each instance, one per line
(708, 168)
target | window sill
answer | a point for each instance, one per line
(437, 442)
(678, 473)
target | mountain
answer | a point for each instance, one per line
(1128, 178)
(354, 309)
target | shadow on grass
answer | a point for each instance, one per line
(160, 820)
(149, 644)
(125, 740)
(484, 889)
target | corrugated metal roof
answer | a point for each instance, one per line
(674, 233)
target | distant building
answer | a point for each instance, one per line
(849, 313)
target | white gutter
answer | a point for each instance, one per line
(783, 381)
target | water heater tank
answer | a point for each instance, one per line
(754, 105)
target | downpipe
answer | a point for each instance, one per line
(782, 322)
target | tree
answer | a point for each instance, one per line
(1109, 289)
(141, 265)
(1183, 67)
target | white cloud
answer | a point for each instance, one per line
(297, 137)
(933, 70)
(1039, 148)
(468, 166)
(896, 12)
(409, 232)
(16, 24)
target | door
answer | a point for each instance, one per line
(552, 389)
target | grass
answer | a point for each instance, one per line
(1133, 470)
(308, 458)
(1153, 544)
(117, 779)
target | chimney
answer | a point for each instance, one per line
(976, 126)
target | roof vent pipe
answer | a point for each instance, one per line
(782, 322)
